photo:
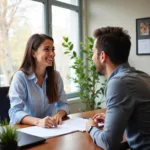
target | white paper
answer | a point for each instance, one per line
(68, 126)
(144, 46)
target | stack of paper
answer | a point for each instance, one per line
(68, 126)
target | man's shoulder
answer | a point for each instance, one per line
(119, 81)
(130, 75)
(115, 84)
(129, 80)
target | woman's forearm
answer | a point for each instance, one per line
(30, 120)
(62, 113)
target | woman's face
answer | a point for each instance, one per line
(44, 56)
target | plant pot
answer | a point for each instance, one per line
(8, 147)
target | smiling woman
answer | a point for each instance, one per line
(37, 87)
(44, 55)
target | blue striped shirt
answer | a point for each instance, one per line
(28, 98)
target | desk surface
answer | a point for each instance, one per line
(72, 141)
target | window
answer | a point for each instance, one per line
(73, 2)
(21, 20)
(57, 18)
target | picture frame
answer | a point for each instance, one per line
(143, 36)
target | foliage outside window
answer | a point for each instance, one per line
(18, 20)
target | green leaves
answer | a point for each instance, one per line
(71, 47)
(66, 52)
(74, 54)
(91, 40)
(86, 75)
(8, 134)
(65, 39)
(64, 45)
(99, 103)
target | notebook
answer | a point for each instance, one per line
(68, 126)
(26, 140)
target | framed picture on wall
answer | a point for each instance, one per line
(143, 36)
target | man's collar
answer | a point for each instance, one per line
(118, 69)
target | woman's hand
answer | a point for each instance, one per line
(100, 117)
(58, 117)
(47, 122)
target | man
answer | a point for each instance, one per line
(127, 94)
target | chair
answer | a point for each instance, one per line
(124, 146)
(4, 103)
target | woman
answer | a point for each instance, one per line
(36, 88)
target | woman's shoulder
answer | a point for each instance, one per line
(19, 78)
(58, 76)
(57, 72)
(19, 74)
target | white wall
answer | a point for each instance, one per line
(75, 105)
(121, 13)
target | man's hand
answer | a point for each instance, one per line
(90, 123)
(100, 117)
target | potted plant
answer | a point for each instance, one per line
(86, 75)
(8, 137)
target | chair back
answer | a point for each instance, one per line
(124, 146)
(4, 103)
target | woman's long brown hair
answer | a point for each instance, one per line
(28, 65)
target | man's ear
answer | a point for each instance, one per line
(103, 56)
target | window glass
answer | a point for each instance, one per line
(18, 21)
(65, 26)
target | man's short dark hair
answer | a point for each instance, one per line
(115, 42)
